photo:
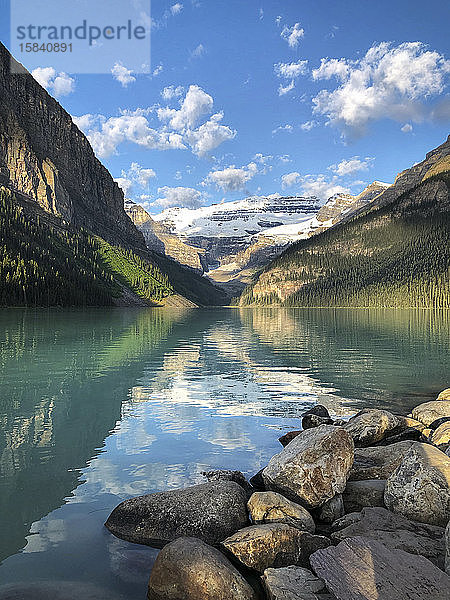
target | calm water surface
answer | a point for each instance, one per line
(97, 406)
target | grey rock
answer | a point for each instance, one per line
(319, 410)
(447, 548)
(310, 421)
(359, 494)
(312, 468)
(346, 521)
(273, 545)
(428, 412)
(332, 509)
(363, 569)
(227, 475)
(397, 532)
(435, 424)
(189, 569)
(419, 488)
(257, 481)
(370, 426)
(211, 512)
(378, 462)
(270, 507)
(56, 590)
(292, 583)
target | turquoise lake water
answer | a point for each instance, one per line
(100, 405)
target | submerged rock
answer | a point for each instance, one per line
(378, 462)
(370, 426)
(428, 412)
(56, 590)
(314, 467)
(259, 547)
(189, 569)
(288, 437)
(363, 569)
(211, 512)
(270, 507)
(367, 492)
(420, 487)
(395, 531)
(291, 583)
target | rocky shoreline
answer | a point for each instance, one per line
(355, 509)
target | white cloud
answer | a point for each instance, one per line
(285, 89)
(122, 74)
(198, 52)
(290, 70)
(331, 67)
(195, 105)
(350, 166)
(136, 176)
(392, 82)
(170, 92)
(180, 130)
(261, 14)
(209, 135)
(290, 179)
(322, 187)
(286, 127)
(58, 84)
(278, 20)
(157, 70)
(175, 9)
(125, 184)
(407, 128)
(180, 196)
(308, 125)
(293, 35)
(232, 178)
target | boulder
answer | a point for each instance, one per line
(270, 507)
(395, 531)
(409, 423)
(315, 416)
(346, 521)
(378, 462)
(428, 412)
(419, 488)
(359, 494)
(210, 511)
(447, 548)
(312, 468)
(257, 481)
(435, 424)
(370, 426)
(291, 583)
(363, 569)
(227, 475)
(332, 509)
(288, 437)
(410, 433)
(441, 436)
(444, 395)
(259, 547)
(189, 569)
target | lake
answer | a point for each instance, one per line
(100, 405)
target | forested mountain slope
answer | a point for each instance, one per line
(397, 253)
(65, 238)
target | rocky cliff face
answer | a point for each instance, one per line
(159, 239)
(44, 156)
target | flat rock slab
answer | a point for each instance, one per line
(270, 507)
(420, 487)
(292, 583)
(211, 512)
(397, 532)
(260, 547)
(428, 412)
(189, 569)
(378, 462)
(56, 590)
(313, 467)
(362, 569)
(370, 426)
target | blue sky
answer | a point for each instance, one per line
(259, 97)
